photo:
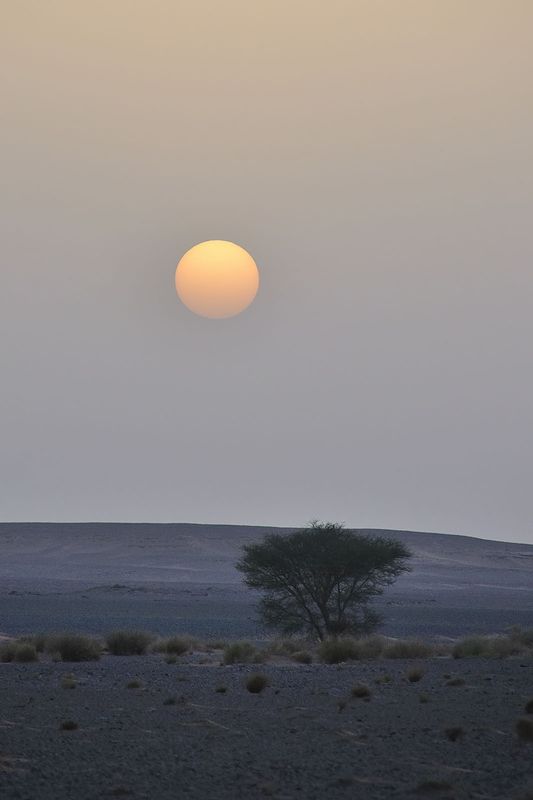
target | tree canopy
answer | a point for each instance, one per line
(321, 579)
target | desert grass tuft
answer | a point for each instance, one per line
(174, 645)
(524, 729)
(302, 657)
(170, 701)
(221, 689)
(423, 697)
(73, 647)
(69, 725)
(415, 674)
(529, 707)
(20, 652)
(433, 787)
(361, 692)
(286, 647)
(68, 682)
(455, 682)
(488, 647)
(134, 684)
(408, 648)
(128, 643)
(256, 683)
(239, 653)
(454, 733)
(335, 651)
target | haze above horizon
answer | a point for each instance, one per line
(376, 159)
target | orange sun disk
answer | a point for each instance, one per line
(217, 279)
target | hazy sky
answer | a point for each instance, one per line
(374, 156)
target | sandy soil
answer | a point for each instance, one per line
(303, 737)
(182, 579)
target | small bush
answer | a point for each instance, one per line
(529, 707)
(38, 641)
(488, 647)
(408, 648)
(221, 689)
(68, 682)
(361, 692)
(456, 682)
(521, 636)
(134, 684)
(217, 644)
(524, 729)
(383, 679)
(370, 647)
(174, 645)
(423, 697)
(73, 647)
(505, 646)
(7, 652)
(256, 683)
(20, 652)
(239, 653)
(302, 657)
(471, 646)
(432, 787)
(24, 653)
(69, 725)
(286, 647)
(454, 733)
(128, 643)
(335, 651)
(171, 660)
(415, 674)
(170, 701)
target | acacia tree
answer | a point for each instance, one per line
(320, 580)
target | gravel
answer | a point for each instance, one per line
(304, 736)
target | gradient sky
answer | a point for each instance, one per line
(376, 159)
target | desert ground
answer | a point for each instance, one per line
(182, 579)
(192, 730)
(150, 726)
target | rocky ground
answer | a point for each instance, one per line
(192, 730)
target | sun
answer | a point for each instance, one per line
(217, 279)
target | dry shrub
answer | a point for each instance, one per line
(37, 640)
(69, 725)
(174, 645)
(302, 657)
(20, 652)
(239, 653)
(134, 684)
(128, 643)
(287, 646)
(529, 707)
(335, 651)
(361, 692)
(524, 729)
(521, 636)
(415, 674)
(456, 682)
(488, 647)
(256, 683)
(73, 647)
(454, 733)
(408, 648)
(433, 787)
